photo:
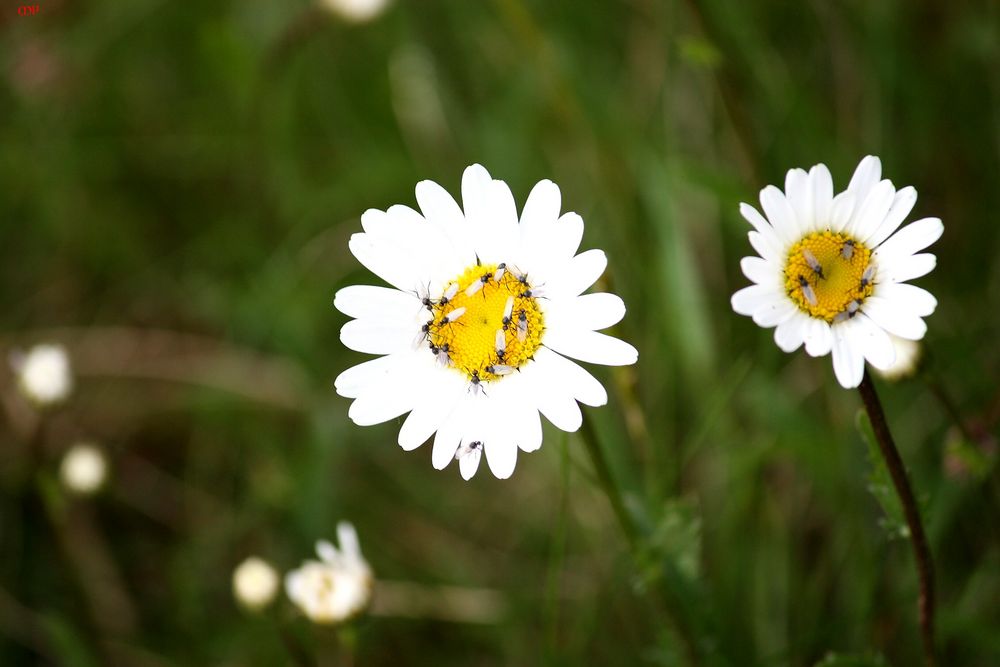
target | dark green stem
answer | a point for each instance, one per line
(922, 553)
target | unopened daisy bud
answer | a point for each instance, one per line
(43, 373)
(84, 469)
(335, 588)
(355, 11)
(255, 583)
(908, 353)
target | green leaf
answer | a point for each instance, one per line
(880, 483)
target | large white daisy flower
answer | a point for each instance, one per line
(484, 310)
(832, 270)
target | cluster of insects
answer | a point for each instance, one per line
(515, 321)
(809, 294)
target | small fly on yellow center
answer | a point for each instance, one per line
(829, 275)
(487, 324)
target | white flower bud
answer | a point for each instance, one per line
(43, 373)
(83, 469)
(355, 11)
(255, 583)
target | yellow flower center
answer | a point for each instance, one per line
(468, 340)
(829, 275)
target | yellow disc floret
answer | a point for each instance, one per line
(489, 326)
(829, 275)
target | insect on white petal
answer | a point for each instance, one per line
(476, 384)
(467, 448)
(501, 269)
(500, 369)
(501, 344)
(423, 335)
(847, 251)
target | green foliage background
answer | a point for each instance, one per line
(178, 181)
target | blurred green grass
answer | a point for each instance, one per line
(197, 168)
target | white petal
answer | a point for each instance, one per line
(433, 405)
(790, 334)
(906, 268)
(477, 204)
(768, 247)
(822, 192)
(349, 383)
(841, 210)
(388, 264)
(914, 299)
(583, 386)
(502, 237)
(569, 234)
(581, 272)
(394, 400)
(903, 203)
(750, 299)
(528, 432)
(376, 302)
(779, 212)
(761, 271)
(469, 464)
(590, 311)
(376, 337)
(848, 360)
(592, 347)
(449, 435)
(542, 206)
(775, 312)
(875, 343)
(798, 190)
(866, 176)
(872, 212)
(911, 239)
(894, 318)
(758, 221)
(818, 338)
(501, 456)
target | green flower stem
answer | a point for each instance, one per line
(607, 482)
(922, 553)
(611, 490)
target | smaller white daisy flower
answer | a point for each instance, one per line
(83, 469)
(255, 583)
(476, 336)
(338, 586)
(832, 271)
(43, 373)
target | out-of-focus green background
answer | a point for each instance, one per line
(178, 182)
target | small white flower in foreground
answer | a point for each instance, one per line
(255, 583)
(908, 354)
(83, 469)
(43, 373)
(476, 334)
(338, 586)
(832, 271)
(356, 11)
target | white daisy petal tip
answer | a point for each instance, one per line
(464, 271)
(833, 279)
